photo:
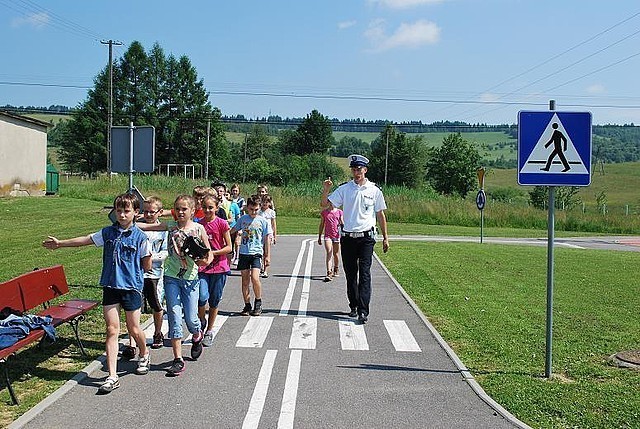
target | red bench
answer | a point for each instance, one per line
(26, 293)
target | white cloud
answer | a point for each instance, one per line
(404, 4)
(488, 97)
(413, 35)
(346, 24)
(596, 89)
(35, 20)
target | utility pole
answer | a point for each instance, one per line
(110, 118)
(206, 162)
(386, 157)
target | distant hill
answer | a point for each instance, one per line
(497, 143)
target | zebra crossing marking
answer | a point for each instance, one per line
(255, 332)
(288, 297)
(303, 333)
(306, 283)
(401, 336)
(352, 336)
(256, 405)
(290, 394)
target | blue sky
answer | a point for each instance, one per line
(479, 61)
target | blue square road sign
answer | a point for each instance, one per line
(554, 148)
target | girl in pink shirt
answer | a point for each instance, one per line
(213, 277)
(330, 223)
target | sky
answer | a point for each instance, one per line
(477, 61)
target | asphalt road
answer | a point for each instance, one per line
(302, 364)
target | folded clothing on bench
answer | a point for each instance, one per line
(13, 328)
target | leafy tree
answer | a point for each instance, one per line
(149, 89)
(314, 135)
(83, 141)
(566, 197)
(451, 168)
(349, 145)
(406, 158)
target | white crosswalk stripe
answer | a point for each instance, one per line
(255, 332)
(401, 336)
(352, 336)
(303, 334)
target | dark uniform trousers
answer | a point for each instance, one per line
(356, 262)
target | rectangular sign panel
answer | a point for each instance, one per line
(144, 149)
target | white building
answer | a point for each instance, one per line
(23, 155)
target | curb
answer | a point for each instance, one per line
(466, 375)
(70, 384)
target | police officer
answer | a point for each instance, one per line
(362, 203)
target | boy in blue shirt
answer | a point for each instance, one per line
(254, 244)
(125, 257)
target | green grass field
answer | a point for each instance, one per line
(619, 183)
(487, 301)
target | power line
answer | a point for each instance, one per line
(558, 56)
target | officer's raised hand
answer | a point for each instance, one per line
(327, 184)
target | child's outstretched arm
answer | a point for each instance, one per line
(161, 226)
(53, 243)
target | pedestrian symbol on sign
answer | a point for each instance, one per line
(563, 157)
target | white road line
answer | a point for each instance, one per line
(352, 336)
(256, 405)
(306, 284)
(255, 332)
(217, 324)
(401, 336)
(303, 334)
(286, 304)
(290, 395)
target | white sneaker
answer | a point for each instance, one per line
(143, 365)
(207, 341)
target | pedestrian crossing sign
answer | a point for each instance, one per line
(554, 148)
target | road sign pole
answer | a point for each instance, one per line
(131, 128)
(550, 238)
(551, 221)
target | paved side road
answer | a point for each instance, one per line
(302, 364)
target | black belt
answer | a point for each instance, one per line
(369, 233)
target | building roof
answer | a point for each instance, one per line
(25, 119)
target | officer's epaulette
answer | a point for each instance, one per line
(343, 183)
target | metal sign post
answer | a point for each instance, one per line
(554, 149)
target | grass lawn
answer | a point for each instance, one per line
(619, 184)
(489, 304)
(487, 301)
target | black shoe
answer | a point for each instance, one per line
(128, 353)
(196, 346)
(362, 318)
(353, 312)
(176, 368)
(246, 310)
(257, 309)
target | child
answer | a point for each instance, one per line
(240, 202)
(253, 239)
(236, 198)
(125, 256)
(181, 280)
(213, 277)
(153, 288)
(270, 215)
(330, 221)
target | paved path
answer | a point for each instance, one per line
(304, 363)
